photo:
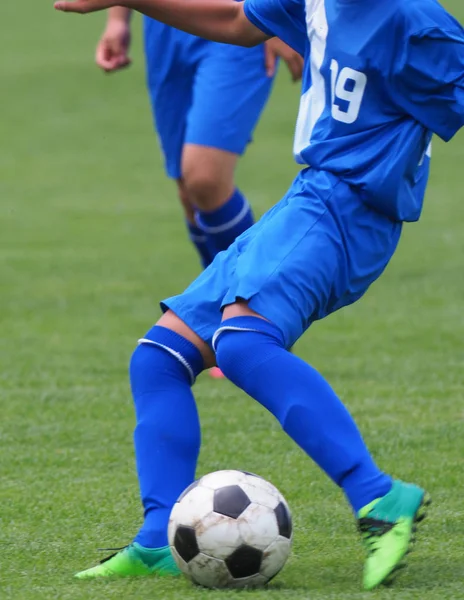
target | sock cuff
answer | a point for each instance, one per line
(178, 346)
(251, 324)
(226, 216)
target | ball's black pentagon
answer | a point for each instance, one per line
(244, 562)
(187, 490)
(185, 542)
(230, 501)
(284, 520)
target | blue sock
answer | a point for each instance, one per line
(200, 240)
(226, 223)
(305, 405)
(167, 432)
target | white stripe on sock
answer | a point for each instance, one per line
(225, 226)
(177, 355)
(218, 332)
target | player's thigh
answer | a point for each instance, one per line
(317, 254)
(230, 92)
(171, 321)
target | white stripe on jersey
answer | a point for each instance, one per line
(313, 101)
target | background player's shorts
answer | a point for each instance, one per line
(202, 92)
(316, 251)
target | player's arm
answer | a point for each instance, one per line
(217, 20)
(119, 13)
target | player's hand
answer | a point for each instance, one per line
(113, 47)
(275, 48)
(83, 6)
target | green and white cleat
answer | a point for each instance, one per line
(134, 561)
(387, 527)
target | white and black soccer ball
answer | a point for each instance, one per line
(230, 529)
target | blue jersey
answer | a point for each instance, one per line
(380, 78)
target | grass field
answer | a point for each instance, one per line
(90, 239)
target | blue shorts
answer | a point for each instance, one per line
(202, 92)
(317, 250)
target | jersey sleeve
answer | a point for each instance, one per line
(428, 81)
(284, 19)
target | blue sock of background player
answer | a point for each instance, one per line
(253, 356)
(217, 229)
(200, 240)
(224, 224)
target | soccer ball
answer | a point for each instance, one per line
(230, 529)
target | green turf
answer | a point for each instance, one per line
(91, 238)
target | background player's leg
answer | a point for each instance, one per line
(230, 91)
(171, 95)
(308, 409)
(222, 211)
(197, 236)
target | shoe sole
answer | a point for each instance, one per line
(419, 517)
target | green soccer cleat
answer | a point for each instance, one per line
(134, 561)
(387, 526)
